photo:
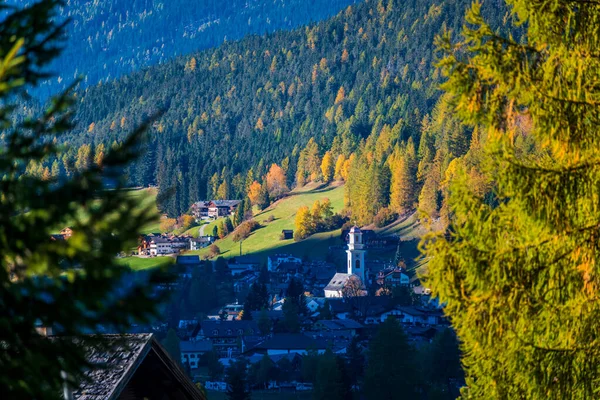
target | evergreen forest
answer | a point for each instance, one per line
(348, 98)
(107, 39)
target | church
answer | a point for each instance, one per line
(352, 282)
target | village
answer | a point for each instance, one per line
(336, 308)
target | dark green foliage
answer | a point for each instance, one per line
(264, 371)
(109, 39)
(402, 295)
(215, 368)
(237, 381)
(391, 364)
(210, 128)
(264, 322)
(331, 379)
(171, 344)
(222, 270)
(325, 311)
(291, 318)
(295, 295)
(310, 364)
(263, 200)
(257, 299)
(440, 360)
(355, 361)
(518, 269)
(75, 285)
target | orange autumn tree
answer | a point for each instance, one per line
(276, 181)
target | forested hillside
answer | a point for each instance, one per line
(108, 38)
(346, 98)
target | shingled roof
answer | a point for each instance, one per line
(119, 358)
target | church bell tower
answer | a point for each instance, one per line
(356, 254)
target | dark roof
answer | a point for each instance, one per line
(287, 230)
(291, 341)
(226, 203)
(288, 266)
(337, 282)
(188, 259)
(244, 260)
(272, 314)
(339, 305)
(212, 328)
(197, 346)
(323, 273)
(118, 358)
(340, 324)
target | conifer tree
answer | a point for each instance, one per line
(519, 275)
(391, 364)
(74, 285)
(327, 167)
(403, 182)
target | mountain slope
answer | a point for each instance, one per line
(247, 104)
(108, 38)
(266, 240)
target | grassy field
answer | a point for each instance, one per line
(147, 197)
(137, 263)
(265, 240)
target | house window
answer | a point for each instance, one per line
(215, 332)
(240, 331)
(357, 264)
(229, 332)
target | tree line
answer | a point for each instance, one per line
(297, 99)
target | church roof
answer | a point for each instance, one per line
(338, 281)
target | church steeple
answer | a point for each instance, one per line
(356, 253)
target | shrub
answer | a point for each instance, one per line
(213, 251)
(167, 224)
(244, 230)
(384, 217)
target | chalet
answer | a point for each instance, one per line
(393, 276)
(232, 310)
(156, 244)
(275, 260)
(227, 337)
(200, 209)
(193, 350)
(214, 208)
(287, 234)
(242, 284)
(222, 208)
(340, 327)
(133, 367)
(201, 242)
(241, 264)
(411, 315)
(287, 343)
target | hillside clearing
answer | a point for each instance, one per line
(265, 240)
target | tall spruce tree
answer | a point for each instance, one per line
(73, 285)
(391, 364)
(520, 277)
